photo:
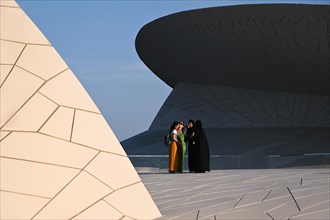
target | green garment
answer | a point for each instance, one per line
(181, 151)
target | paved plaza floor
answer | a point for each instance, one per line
(241, 194)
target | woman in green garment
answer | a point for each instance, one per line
(182, 149)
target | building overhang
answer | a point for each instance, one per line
(281, 47)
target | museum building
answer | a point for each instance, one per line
(257, 76)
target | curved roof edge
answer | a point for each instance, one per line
(281, 47)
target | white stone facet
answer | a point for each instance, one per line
(65, 89)
(59, 158)
(92, 130)
(60, 124)
(16, 26)
(10, 51)
(44, 61)
(12, 98)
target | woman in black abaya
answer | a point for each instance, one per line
(191, 150)
(201, 146)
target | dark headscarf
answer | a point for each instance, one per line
(191, 121)
(198, 124)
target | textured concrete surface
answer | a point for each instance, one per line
(241, 194)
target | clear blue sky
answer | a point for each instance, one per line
(96, 39)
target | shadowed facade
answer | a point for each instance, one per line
(258, 76)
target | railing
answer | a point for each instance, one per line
(160, 162)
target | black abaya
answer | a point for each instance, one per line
(201, 151)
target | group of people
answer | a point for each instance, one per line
(189, 137)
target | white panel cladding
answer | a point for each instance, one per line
(16, 26)
(51, 130)
(12, 51)
(4, 71)
(12, 99)
(33, 178)
(44, 61)
(28, 205)
(32, 115)
(45, 149)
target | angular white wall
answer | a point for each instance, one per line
(59, 157)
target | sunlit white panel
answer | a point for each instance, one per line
(18, 88)
(44, 61)
(100, 211)
(17, 26)
(60, 124)
(10, 3)
(114, 176)
(32, 115)
(9, 51)
(79, 195)
(19, 206)
(65, 89)
(128, 200)
(91, 129)
(4, 71)
(3, 134)
(34, 178)
(42, 148)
